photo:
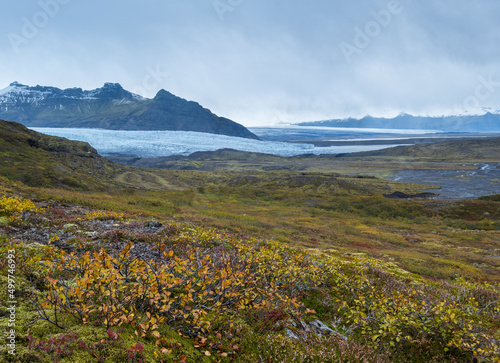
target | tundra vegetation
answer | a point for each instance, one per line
(135, 265)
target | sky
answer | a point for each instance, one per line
(265, 62)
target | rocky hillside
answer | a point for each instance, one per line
(110, 107)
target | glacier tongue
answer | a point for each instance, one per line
(152, 144)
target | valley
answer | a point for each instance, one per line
(395, 280)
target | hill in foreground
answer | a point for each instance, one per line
(46, 161)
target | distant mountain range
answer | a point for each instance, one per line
(110, 107)
(489, 122)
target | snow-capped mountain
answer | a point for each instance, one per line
(489, 122)
(110, 107)
(17, 93)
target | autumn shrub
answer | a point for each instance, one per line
(179, 290)
(187, 279)
(17, 208)
(390, 313)
(208, 273)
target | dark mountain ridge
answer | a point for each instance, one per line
(489, 122)
(111, 107)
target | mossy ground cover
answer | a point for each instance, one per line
(393, 277)
(433, 238)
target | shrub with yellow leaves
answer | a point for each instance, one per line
(16, 208)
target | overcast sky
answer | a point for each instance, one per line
(261, 62)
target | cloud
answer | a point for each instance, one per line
(263, 61)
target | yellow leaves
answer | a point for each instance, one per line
(52, 281)
(15, 206)
(53, 238)
(188, 286)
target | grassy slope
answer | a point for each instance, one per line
(42, 161)
(416, 319)
(345, 216)
(478, 150)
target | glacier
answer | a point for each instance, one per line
(153, 144)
